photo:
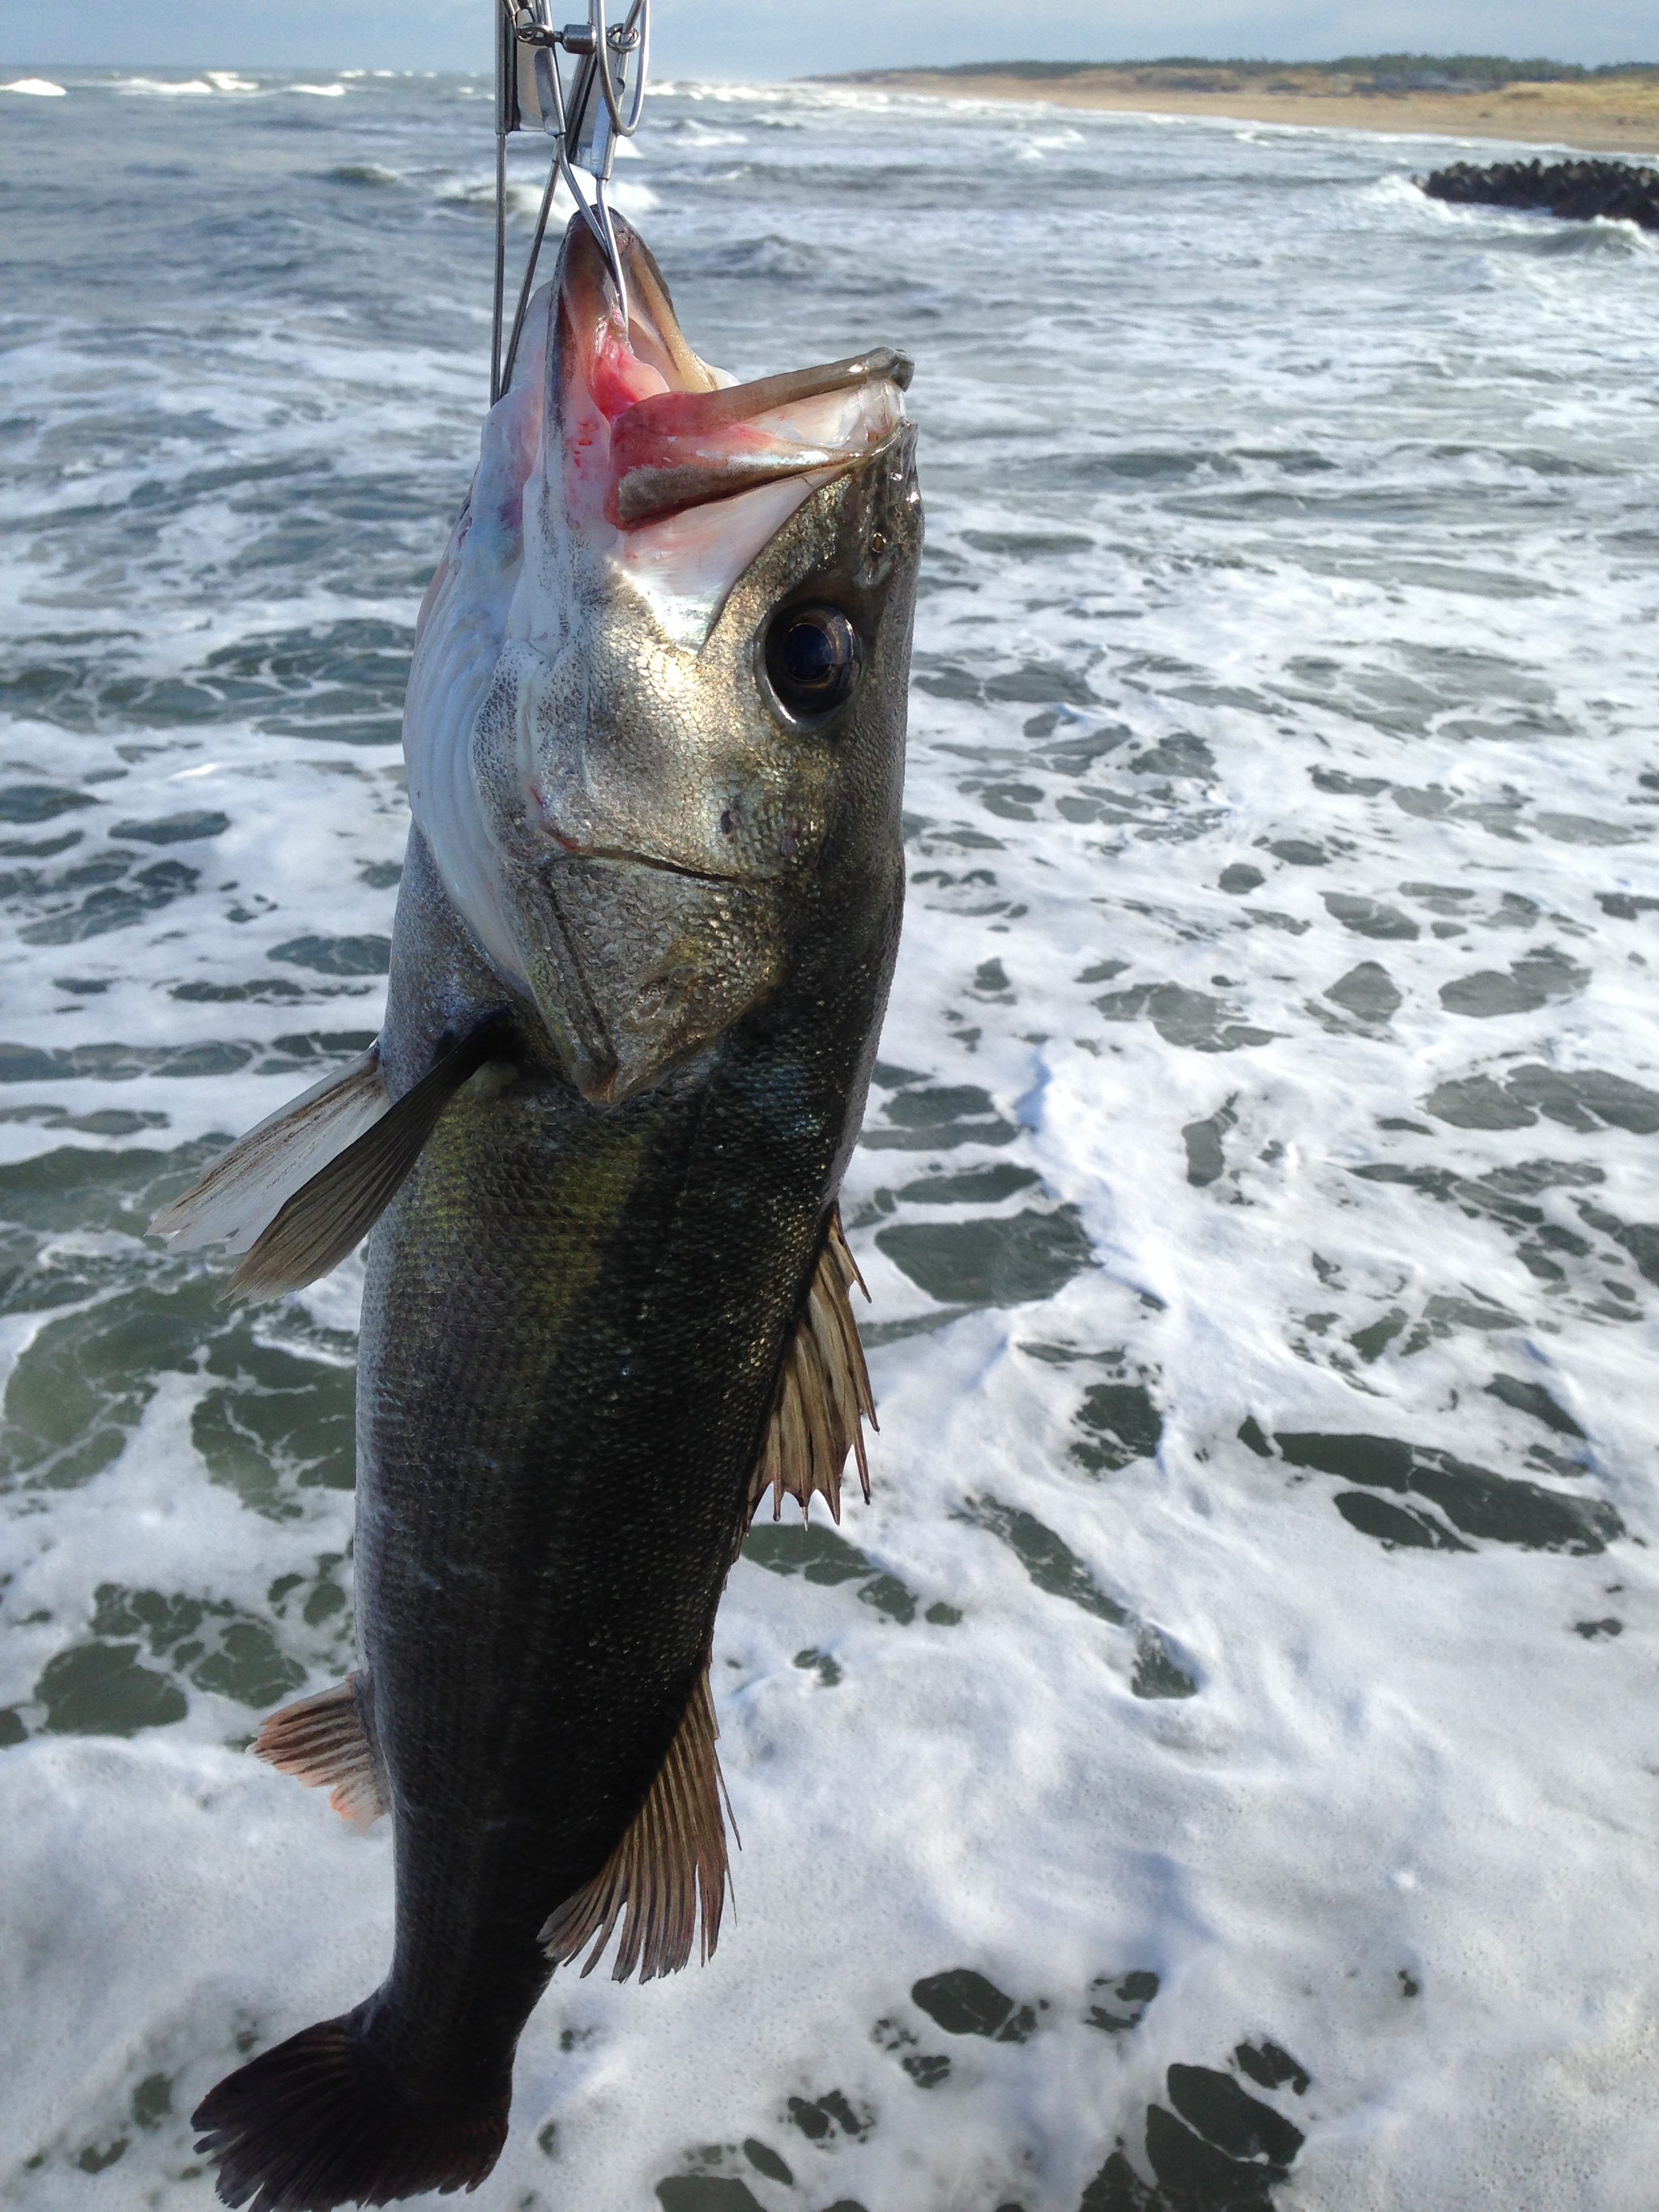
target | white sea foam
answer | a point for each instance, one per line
(36, 88)
(181, 87)
(524, 196)
(1271, 1064)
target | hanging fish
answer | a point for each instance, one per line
(655, 732)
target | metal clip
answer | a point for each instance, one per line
(603, 102)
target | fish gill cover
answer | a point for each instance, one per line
(1214, 1770)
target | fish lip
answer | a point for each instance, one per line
(736, 403)
(669, 452)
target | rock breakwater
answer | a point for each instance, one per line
(1578, 189)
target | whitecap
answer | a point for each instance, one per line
(192, 86)
(634, 199)
(38, 87)
(320, 91)
(524, 196)
(693, 133)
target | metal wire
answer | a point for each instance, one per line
(505, 379)
(501, 267)
(632, 31)
(601, 40)
(612, 250)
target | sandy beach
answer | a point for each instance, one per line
(1605, 115)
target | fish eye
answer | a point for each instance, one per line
(813, 657)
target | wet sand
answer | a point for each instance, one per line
(1607, 115)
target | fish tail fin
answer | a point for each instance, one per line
(318, 2122)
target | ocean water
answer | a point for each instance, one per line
(1220, 1770)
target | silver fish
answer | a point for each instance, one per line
(655, 732)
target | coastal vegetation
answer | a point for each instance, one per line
(1351, 73)
(1611, 108)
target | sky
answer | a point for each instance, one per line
(772, 39)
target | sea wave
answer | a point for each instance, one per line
(192, 88)
(524, 196)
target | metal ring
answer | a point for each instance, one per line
(635, 24)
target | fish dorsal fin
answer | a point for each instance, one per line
(669, 1870)
(323, 1741)
(330, 1215)
(822, 1395)
(234, 1200)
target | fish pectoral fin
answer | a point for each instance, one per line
(246, 1186)
(325, 1742)
(823, 1396)
(331, 1213)
(671, 1858)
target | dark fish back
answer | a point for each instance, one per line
(575, 1321)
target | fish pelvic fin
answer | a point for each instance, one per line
(318, 2122)
(823, 1397)
(239, 1194)
(330, 1215)
(669, 1872)
(327, 1742)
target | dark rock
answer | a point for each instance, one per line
(1578, 190)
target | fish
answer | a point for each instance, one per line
(655, 730)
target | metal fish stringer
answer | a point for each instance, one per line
(585, 114)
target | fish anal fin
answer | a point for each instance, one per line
(325, 1742)
(823, 1397)
(669, 1872)
(245, 1186)
(331, 1215)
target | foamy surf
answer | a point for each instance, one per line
(1270, 1071)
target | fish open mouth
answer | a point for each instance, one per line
(689, 471)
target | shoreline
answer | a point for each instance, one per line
(1619, 117)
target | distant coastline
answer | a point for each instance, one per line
(1532, 103)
